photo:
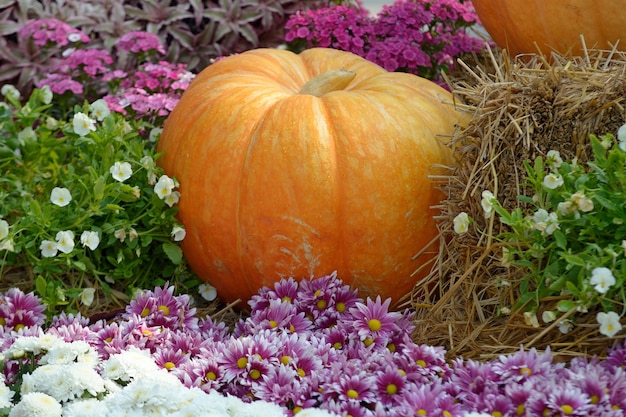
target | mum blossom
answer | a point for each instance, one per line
(602, 279)
(121, 171)
(83, 124)
(60, 196)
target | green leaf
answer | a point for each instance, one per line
(41, 286)
(565, 305)
(98, 188)
(173, 252)
(35, 208)
(560, 238)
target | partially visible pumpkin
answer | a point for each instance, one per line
(522, 26)
(301, 165)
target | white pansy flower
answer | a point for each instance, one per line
(602, 279)
(155, 134)
(65, 241)
(178, 233)
(26, 135)
(90, 238)
(51, 123)
(9, 91)
(100, 109)
(548, 316)
(60, 196)
(461, 223)
(172, 198)
(87, 296)
(530, 319)
(46, 94)
(621, 137)
(207, 291)
(553, 159)
(487, 203)
(120, 234)
(121, 171)
(565, 326)
(584, 203)
(164, 186)
(552, 181)
(83, 124)
(545, 222)
(4, 229)
(48, 248)
(609, 323)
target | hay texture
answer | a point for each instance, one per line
(522, 108)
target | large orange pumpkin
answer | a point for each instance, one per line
(554, 25)
(301, 165)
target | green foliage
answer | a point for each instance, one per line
(105, 226)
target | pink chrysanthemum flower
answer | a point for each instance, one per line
(162, 308)
(374, 322)
(169, 358)
(524, 364)
(285, 290)
(209, 330)
(390, 384)
(202, 372)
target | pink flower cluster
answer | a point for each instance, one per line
(140, 87)
(314, 343)
(422, 37)
(46, 32)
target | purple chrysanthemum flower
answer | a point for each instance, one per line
(373, 321)
(162, 308)
(389, 386)
(169, 358)
(285, 290)
(202, 372)
(19, 310)
(522, 365)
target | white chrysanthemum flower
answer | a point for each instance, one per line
(164, 187)
(609, 323)
(552, 181)
(36, 404)
(65, 352)
(6, 395)
(83, 124)
(60, 196)
(121, 171)
(90, 407)
(4, 229)
(127, 365)
(48, 248)
(100, 109)
(461, 223)
(90, 238)
(65, 241)
(207, 291)
(178, 233)
(602, 279)
(36, 344)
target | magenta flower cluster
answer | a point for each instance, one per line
(422, 37)
(129, 79)
(316, 344)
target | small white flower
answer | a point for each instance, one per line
(172, 198)
(178, 233)
(548, 316)
(545, 222)
(487, 202)
(621, 137)
(565, 326)
(65, 241)
(552, 181)
(26, 135)
(530, 319)
(121, 171)
(60, 196)
(46, 94)
(51, 123)
(87, 296)
(132, 234)
(73, 37)
(120, 234)
(4, 229)
(48, 249)
(83, 124)
(9, 91)
(461, 223)
(583, 203)
(155, 134)
(164, 186)
(100, 109)
(553, 159)
(6, 395)
(207, 291)
(90, 238)
(602, 279)
(609, 323)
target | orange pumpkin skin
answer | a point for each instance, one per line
(555, 25)
(279, 184)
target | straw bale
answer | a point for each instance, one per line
(521, 108)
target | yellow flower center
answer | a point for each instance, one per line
(242, 363)
(392, 389)
(340, 307)
(255, 374)
(211, 376)
(352, 394)
(374, 325)
(595, 399)
(421, 412)
(421, 363)
(525, 371)
(496, 414)
(520, 410)
(169, 365)
(337, 345)
(18, 327)
(145, 312)
(285, 359)
(301, 372)
(567, 409)
(368, 341)
(273, 324)
(164, 309)
(321, 304)
(391, 347)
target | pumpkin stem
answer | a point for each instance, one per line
(328, 81)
